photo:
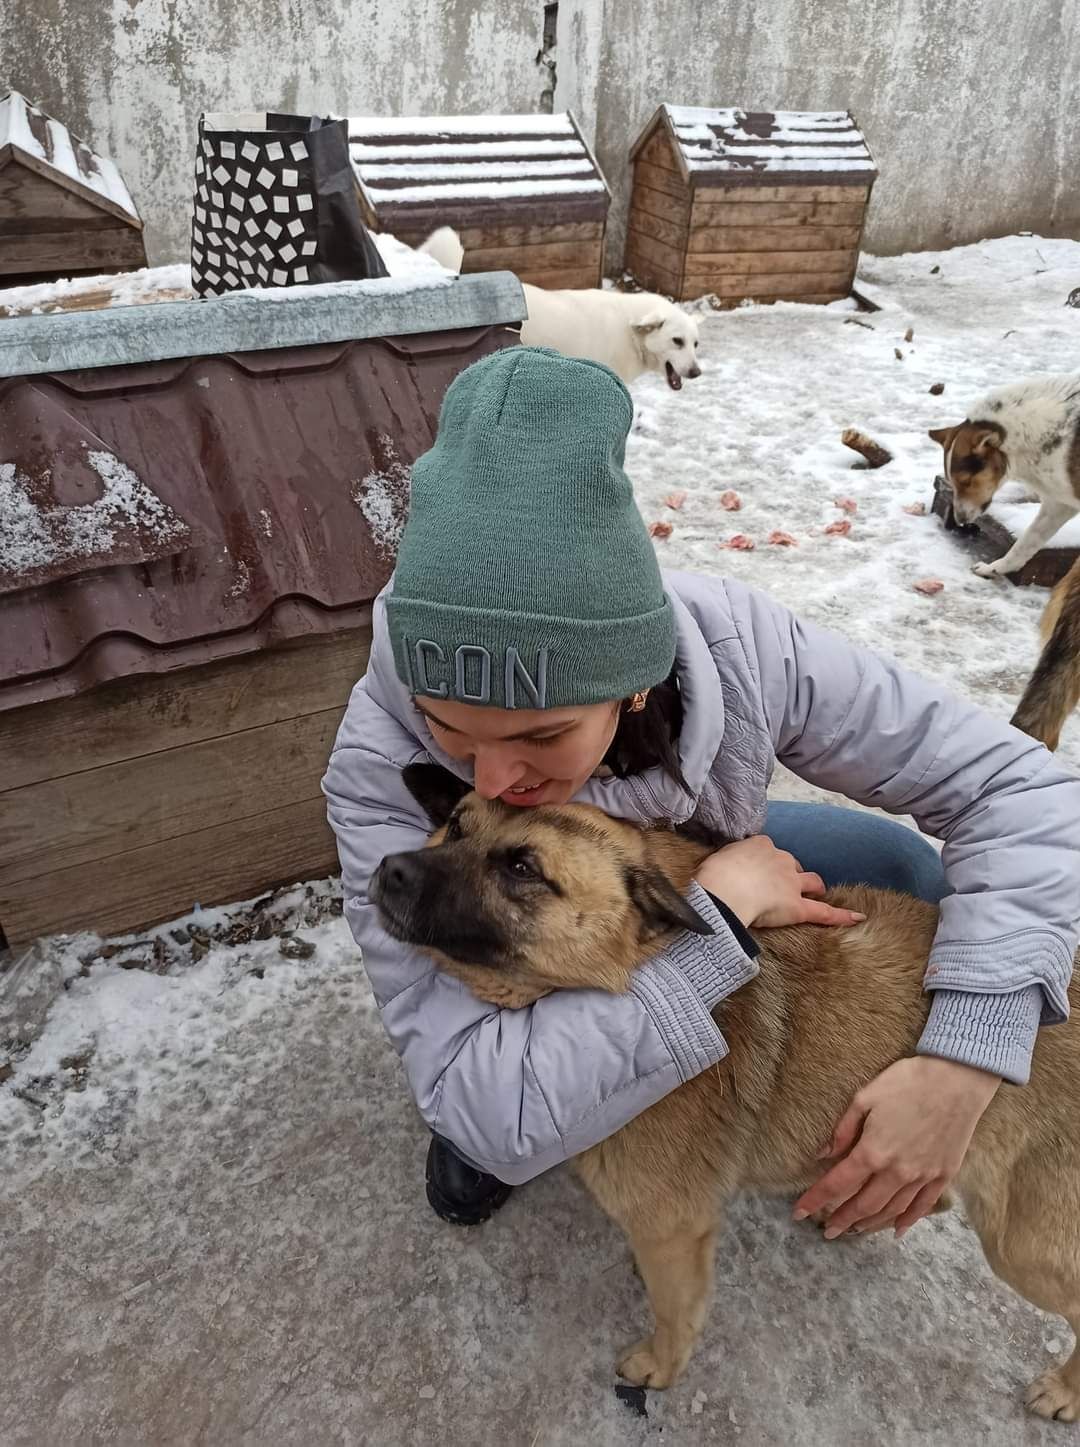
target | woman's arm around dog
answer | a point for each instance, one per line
(515, 1091)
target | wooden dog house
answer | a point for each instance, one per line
(63, 209)
(523, 192)
(762, 206)
(198, 503)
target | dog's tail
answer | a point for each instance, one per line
(1053, 690)
(445, 246)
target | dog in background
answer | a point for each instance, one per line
(1028, 432)
(630, 332)
(519, 902)
(1053, 690)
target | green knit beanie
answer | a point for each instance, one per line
(525, 576)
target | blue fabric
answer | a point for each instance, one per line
(848, 846)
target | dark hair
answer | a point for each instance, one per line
(649, 739)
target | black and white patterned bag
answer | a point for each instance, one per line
(275, 205)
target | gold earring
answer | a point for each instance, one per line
(637, 703)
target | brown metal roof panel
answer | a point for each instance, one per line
(172, 511)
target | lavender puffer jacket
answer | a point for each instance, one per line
(517, 1091)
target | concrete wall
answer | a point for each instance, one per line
(969, 105)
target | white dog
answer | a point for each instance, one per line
(630, 332)
(1029, 431)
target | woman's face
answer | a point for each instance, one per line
(524, 756)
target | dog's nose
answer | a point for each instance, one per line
(400, 873)
(695, 371)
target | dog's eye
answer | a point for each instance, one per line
(678, 341)
(453, 829)
(521, 866)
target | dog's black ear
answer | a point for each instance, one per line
(661, 906)
(435, 789)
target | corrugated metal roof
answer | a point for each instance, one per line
(718, 146)
(200, 501)
(46, 145)
(456, 168)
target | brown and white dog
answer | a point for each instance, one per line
(1028, 432)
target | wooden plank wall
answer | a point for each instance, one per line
(45, 228)
(127, 805)
(556, 254)
(658, 226)
(795, 243)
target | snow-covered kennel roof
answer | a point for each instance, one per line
(48, 147)
(716, 145)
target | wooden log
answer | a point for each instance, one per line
(229, 861)
(990, 540)
(132, 717)
(875, 455)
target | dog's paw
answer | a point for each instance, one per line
(1049, 1396)
(987, 570)
(641, 1367)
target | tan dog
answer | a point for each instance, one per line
(1029, 432)
(517, 903)
(1053, 690)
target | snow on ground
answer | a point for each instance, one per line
(779, 386)
(213, 1227)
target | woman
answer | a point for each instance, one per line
(529, 643)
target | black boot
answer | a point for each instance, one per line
(457, 1191)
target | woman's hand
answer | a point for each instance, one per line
(766, 886)
(903, 1139)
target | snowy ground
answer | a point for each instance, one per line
(213, 1228)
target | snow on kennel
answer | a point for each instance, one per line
(63, 208)
(762, 206)
(524, 192)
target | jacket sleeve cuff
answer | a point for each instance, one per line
(717, 964)
(995, 1033)
(681, 986)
